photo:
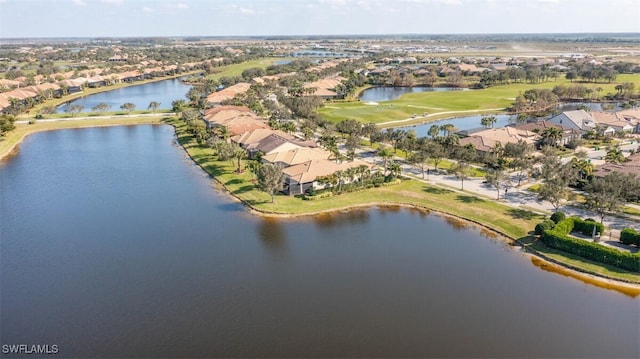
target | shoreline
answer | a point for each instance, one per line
(580, 274)
(13, 147)
(56, 102)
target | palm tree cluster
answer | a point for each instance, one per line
(349, 180)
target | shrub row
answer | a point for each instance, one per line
(586, 227)
(630, 236)
(558, 238)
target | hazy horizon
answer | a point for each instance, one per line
(281, 18)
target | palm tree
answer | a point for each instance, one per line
(551, 136)
(386, 154)
(222, 132)
(238, 153)
(339, 176)
(488, 121)
(584, 166)
(434, 130)
(614, 155)
(395, 169)
(448, 129)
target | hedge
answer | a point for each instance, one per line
(586, 227)
(630, 236)
(558, 216)
(558, 238)
(545, 225)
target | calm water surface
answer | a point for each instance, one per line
(113, 244)
(165, 92)
(461, 123)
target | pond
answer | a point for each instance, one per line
(460, 123)
(114, 244)
(594, 106)
(165, 92)
(387, 93)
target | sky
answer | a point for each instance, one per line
(131, 18)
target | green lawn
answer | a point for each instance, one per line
(512, 222)
(579, 262)
(448, 103)
(236, 69)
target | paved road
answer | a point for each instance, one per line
(516, 197)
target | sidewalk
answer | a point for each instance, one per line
(515, 197)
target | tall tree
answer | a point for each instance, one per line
(461, 171)
(101, 107)
(385, 154)
(6, 124)
(153, 105)
(488, 121)
(128, 106)
(604, 195)
(498, 179)
(270, 179)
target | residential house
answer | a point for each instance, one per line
(236, 119)
(227, 93)
(579, 120)
(568, 134)
(325, 87)
(296, 156)
(485, 141)
(631, 166)
(632, 116)
(73, 85)
(609, 123)
(301, 177)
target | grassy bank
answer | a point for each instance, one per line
(444, 104)
(236, 69)
(511, 222)
(9, 142)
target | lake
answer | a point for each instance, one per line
(387, 93)
(473, 122)
(114, 244)
(164, 91)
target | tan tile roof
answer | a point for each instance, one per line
(228, 93)
(297, 156)
(612, 119)
(485, 140)
(255, 136)
(631, 166)
(632, 115)
(273, 143)
(9, 83)
(310, 170)
(543, 125)
(242, 124)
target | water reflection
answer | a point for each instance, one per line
(345, 217)
(144, 252)
(587, 279)
(272, 233)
